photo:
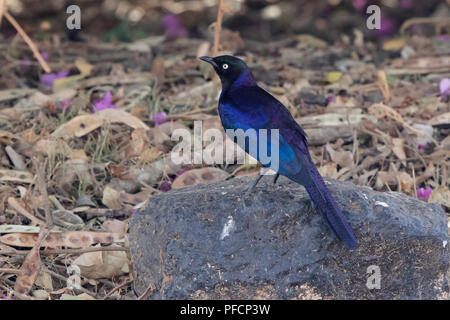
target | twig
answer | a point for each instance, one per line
(117, 288)
(217, 29)
(188, 115)
(2, 9)
(60, 277)
(381, 110)
(10, 270)
(414, 180)
(147, 291)
(431, 20)
(383, 85)
(411, 70)
(355, 149)
(15, 205)
(27, 39)
(387, 186)
(42, 186)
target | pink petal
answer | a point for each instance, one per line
(444, 87)
(44, 55)
(105, 103)
(424, 193)
(359, 4)
(48, 78)
(159, 118)
(173, 27)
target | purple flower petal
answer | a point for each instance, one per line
(331, 99)
(165, 185)
(170, 21)
(179, 173)
(444, 37)
(105, 103)
(159, 118)
(387, 27)
(406, 4)
(48, 78)
(27, 62)
(444, 88)
(24, 62)
(44, 55)
(173, 27)
(424, 194)
(359, 4)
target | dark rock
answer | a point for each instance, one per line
(310, 96)
(211, 242)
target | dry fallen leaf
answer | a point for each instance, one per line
(405, 181)
(198, 176)
(66, 218)
(169, 127)
(103, 264)
(149, 155)
(16, 176)
(111, 198)
(385, 178)
(342, 158)
(139, 142)
(399, 149)
(32, 264)
(429, 172)
(440, 195)
(140, 112)
(70, 239)
(115, 226)
(44, 279)
(158, 68)
(83, 124)
(41, 294)
(85, 69)
(83, 296)
(329, 170)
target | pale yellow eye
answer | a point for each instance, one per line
(225, 66)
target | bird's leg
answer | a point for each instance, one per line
(262, 173)
(277, 175)
(253, 184)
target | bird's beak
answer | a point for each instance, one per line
(209, 60)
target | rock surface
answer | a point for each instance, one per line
(211, 242)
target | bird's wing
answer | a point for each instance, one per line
(261, 105)
(253, 107)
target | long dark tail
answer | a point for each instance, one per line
(327, 206)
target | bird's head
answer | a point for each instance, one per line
(230, 69)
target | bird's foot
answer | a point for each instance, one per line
(252, 186)
(277, 175)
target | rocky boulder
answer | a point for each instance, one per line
(213, 242)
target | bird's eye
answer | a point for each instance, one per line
(225, 66)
